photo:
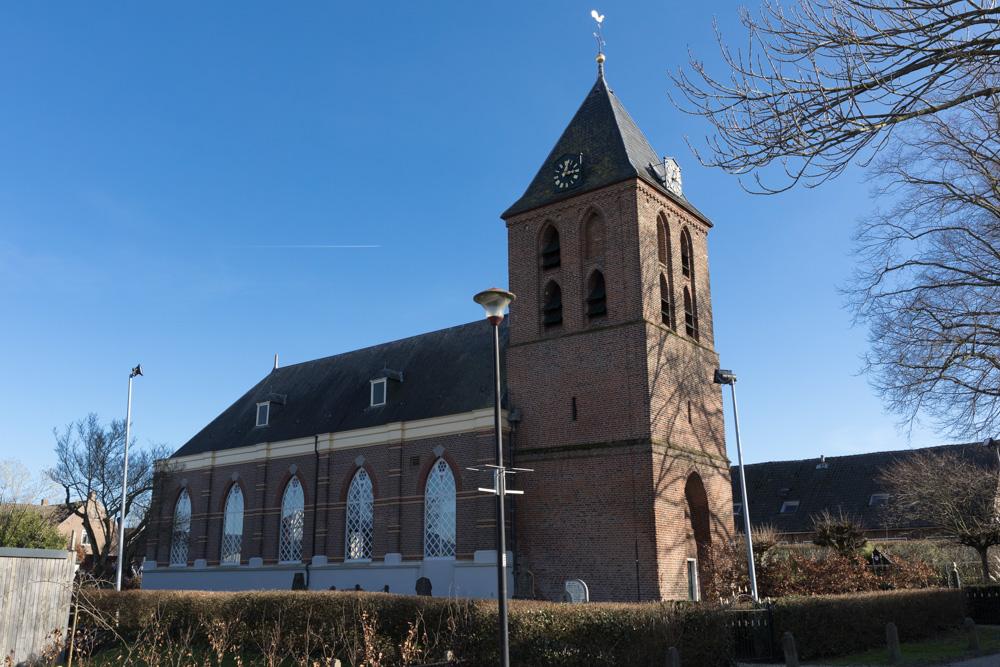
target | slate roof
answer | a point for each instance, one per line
(847, 482)
(445, 372)
(613, 148)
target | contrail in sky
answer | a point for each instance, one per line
(304, 246)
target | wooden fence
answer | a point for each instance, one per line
(36, 586)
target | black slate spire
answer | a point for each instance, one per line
(613, 149)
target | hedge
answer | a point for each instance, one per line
(388, 629)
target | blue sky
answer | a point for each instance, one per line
(154, 156)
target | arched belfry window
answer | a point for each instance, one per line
(666, 312)
(552, 305)
(439, 511)
(180, 536)
(597, 303)
(690, 315)
(662, 241)
(232, 526)
(360, 514)
(593, 237)
(293, 505)
(687, 258)
(551, 252)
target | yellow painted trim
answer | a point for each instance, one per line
(397, 432)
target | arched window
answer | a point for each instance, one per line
(686, 255)
(552, 310)
(439, 511)
(662, 241)
(593, 237)
(690, 316)
(550, 248)
(232, 526)
(597, 304)
(180, 536)
(293, 505)
(360, 510)
(665, 312)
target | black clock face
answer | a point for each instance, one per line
(567, 172)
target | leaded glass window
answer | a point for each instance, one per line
(360, 510)
(181, 533)
(292, 519)
(232, 526)
(439, 511)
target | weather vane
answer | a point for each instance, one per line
(598, 18)
(600, 42)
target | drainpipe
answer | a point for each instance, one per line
(315, 503)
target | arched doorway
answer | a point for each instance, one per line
(699, 535)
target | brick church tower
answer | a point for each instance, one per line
(610, 361)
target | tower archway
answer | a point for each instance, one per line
(699, 534)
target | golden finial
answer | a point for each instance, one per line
(600, 42)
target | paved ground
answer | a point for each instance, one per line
(981, 661)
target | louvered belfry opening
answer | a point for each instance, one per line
(551, 253)
(597, 304)
(552, 310)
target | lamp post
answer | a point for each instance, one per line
(727, 377)
(495, 301)
(121, 519)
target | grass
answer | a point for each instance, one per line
(952, 647)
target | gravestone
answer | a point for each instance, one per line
(298, 582)
(577, 591)
(423, 586)
(524, 585)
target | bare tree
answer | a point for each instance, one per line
(949, 492)
(90, 461)
(928, 278)
(825, 82)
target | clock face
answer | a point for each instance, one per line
(567, 171)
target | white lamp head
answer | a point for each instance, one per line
(494, 301)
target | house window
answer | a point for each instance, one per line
(665, 314)
(686, 251)
(790, 507)
(292, 521)
(232, 527)
(692, 577)
(85, 538)
(597, 305)
(439, 511)
(550, 249)
(690, 317)
(552, 310)
(378, 392)
(360, 512)
(263, 410)
(181, 533)
(878, 499)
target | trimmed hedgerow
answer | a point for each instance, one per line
(843, 624)
(380, 629)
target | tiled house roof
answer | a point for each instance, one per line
(838, 483)
(435, 374)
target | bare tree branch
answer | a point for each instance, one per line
(824, 82)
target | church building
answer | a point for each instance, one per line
(352, 471)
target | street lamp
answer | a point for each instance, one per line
(121, 520)
(495, 301)
(727, 377)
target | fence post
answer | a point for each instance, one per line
(673, 657)
(892, 638)
(791, 653)
(970, 628)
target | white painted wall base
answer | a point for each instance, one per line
(451, 578)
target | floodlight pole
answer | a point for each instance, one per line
(121, 519)
(727, 377)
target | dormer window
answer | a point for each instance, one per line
(263, 411)
(790, 507)
(378, 392)
(878, 499)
